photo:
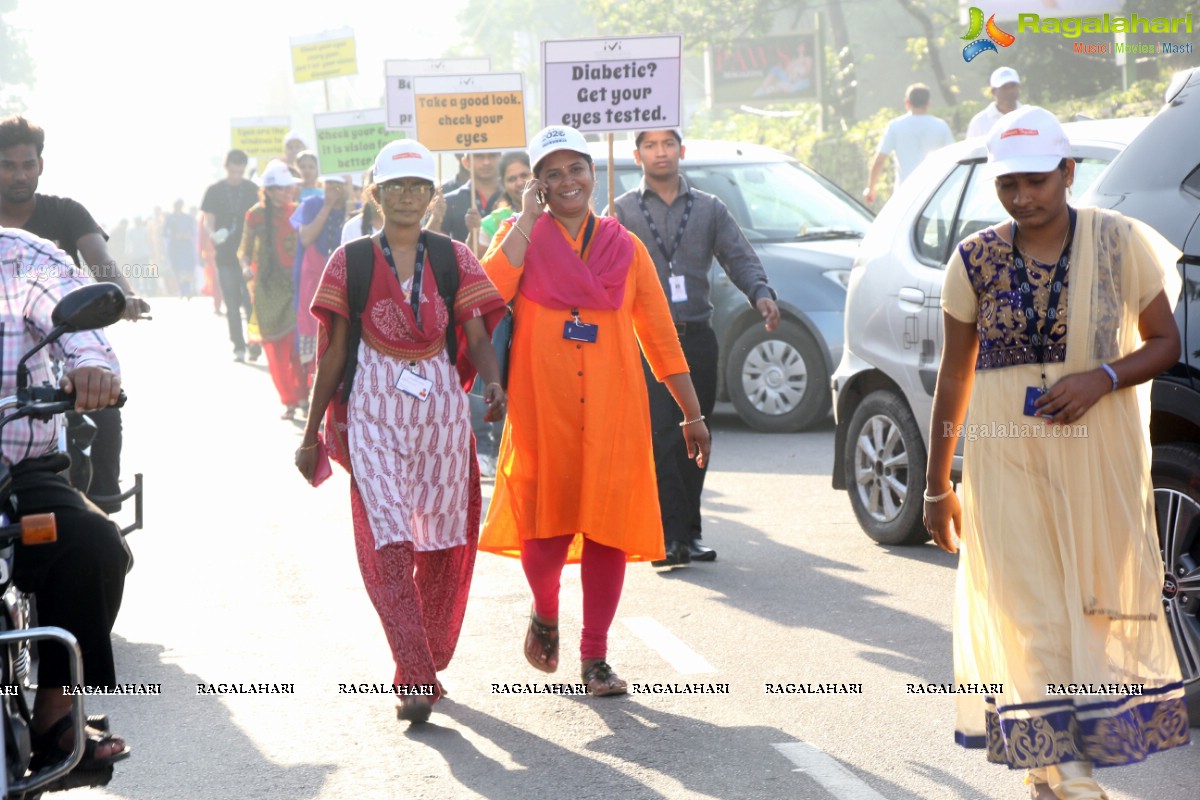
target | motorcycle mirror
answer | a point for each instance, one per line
(97, 305)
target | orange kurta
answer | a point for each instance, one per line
(576, 455)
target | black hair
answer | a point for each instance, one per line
(637, 142)
(510, 158)
(237, 158)
(18, 130)
(537, 171)
(918, 95)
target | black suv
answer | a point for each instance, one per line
(1157, 180)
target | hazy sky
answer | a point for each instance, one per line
(136, 96)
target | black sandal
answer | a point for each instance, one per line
(413, 709)
(602, 681)
(541, 640)
(46, 750)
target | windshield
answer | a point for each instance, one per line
(778, 201)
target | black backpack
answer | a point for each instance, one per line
(360, 267)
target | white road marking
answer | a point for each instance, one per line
(674, 651)
(825, 770)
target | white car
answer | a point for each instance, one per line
(883, 387)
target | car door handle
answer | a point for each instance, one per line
(908, 294)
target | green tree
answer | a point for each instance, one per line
(511, 32)
(16, 68)
(703, 23)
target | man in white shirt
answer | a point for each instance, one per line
(910, 138)
(1006, 90)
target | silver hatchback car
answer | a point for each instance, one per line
(883, 387)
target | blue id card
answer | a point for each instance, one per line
(1032, 393)
(580, 331)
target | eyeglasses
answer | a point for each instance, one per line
(397, 189)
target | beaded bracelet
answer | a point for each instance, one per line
(517, 228)
(687, 422)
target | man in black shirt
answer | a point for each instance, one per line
(69, 225)
(225, 205)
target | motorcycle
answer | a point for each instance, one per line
(86, 308)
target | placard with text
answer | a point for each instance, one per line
(399, 74)
(318, 56)
(458, 113)
(613, 84)
(348, 141)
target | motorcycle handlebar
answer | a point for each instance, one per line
(47, 401)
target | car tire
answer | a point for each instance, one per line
(1176, 472)
(778, 381)
(885, 470)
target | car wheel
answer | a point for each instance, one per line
(885, 470)
(1176, 471)
(778, 381)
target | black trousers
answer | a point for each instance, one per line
(680, 481)
(106, 457)
(78, 580)
(237, 297)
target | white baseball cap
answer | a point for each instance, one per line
(293, 135)
(554, 138)
(405, 158)
(1003, 75)
(1029, 139)
(278, 174)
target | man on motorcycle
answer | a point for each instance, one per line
(69, 225)
(78, 580)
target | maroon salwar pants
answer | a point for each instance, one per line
(420, 595)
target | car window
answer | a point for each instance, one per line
(771, 201)
(935, 226)
(1086, 172)
(982, 209)
(980, 206)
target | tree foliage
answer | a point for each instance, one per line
(15, 66)
(703, 23)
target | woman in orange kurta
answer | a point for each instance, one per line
(575, 477)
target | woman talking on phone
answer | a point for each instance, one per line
(575, 477)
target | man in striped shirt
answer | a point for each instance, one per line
(79, 579)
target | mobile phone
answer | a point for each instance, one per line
(541, 197)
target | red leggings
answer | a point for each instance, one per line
(284, 364)
(602, 570)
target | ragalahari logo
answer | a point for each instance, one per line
(995, 36)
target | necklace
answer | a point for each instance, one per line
(1062, 246)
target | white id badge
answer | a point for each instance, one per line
(678, 289)
(413, 384)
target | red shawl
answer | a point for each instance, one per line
(556, 277)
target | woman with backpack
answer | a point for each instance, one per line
(399, 422)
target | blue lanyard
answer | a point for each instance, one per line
(1035, 323)
(687, 212)
(418, 271)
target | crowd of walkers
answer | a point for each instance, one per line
(404, 322)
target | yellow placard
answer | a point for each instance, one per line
(460, 122)
(332, 58)
(261, 142)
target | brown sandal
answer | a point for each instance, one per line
(541, 644)
(602, 681)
